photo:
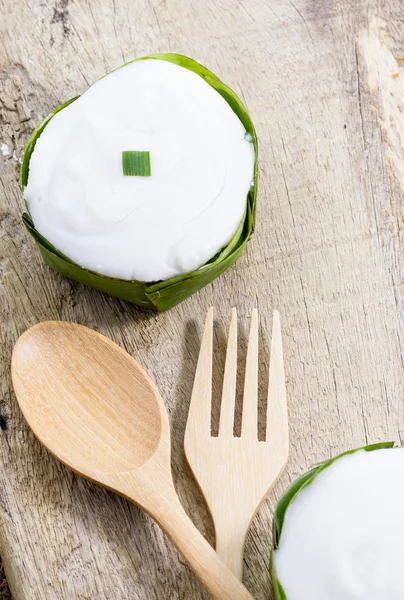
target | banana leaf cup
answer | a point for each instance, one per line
(290, 496)
(157, 295)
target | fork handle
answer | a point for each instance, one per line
(214, 575)
(230, 542)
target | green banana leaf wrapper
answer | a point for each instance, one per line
(290, 496)
(160, 295)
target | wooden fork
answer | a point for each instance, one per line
(236, 473)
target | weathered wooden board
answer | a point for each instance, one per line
(320, 81)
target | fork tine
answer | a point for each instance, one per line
(277, 430)
(201, 399)
(229, 381)
(249, 426)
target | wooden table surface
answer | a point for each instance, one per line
(324, 83)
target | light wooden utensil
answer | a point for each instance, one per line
(98, 412)
(236, 473)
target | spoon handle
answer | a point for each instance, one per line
(214, 575)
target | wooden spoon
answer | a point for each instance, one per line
(98, 412)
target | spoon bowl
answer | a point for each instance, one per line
(97, 411)
(87, 400)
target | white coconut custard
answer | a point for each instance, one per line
(153, 226)
(343, 535)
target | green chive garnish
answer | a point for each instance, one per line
(136, 162)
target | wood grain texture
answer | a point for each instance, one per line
(236, 473)
(327, 252)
